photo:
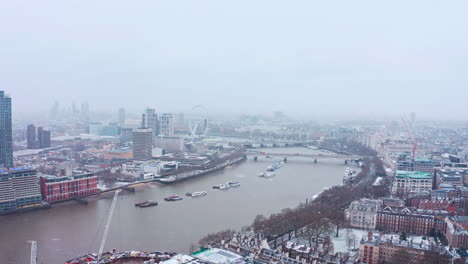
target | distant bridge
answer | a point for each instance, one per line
(314, 156)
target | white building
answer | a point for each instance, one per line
(411, 182)
(363, 213)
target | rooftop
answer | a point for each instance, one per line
(218, 256)
(413, 174)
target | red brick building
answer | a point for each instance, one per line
(411, 221)
(64, 188)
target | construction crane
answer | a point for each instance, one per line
(411, 138)
(33, 251)
(108, 222)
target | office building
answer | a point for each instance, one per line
(167, 125)
(142, 144)
(19, 188)
(406, 182)
(6, 135)
(418, 164)
(65, 188)
(150, 120)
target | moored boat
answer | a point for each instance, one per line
(148, 204)
(223, 186)
(234, 184)
(173, 198)
(269, 175)
(197, 194)
(261, 174)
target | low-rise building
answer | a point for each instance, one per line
(363, 213)
(456, 234)
(411, 221)
(452, 176)
(380, 248)
(121, 154)
(170, 143)
(63, 188)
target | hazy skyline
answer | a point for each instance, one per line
(313, 58)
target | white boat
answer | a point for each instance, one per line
(269, 175)
(234, 184)
(196, 194)
(261, 174)
(223, 186)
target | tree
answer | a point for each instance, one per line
(404, 236)
(317, 228)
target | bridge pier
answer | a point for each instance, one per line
(255, 158)
(285, 160)
(345, 162)
(315, 160)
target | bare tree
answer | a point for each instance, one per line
(317, 228)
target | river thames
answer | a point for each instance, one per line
(69, 230)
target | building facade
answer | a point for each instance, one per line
(167, 125)
(19, 188)
(418, 164)
(150, 120)
(121, 117)
(41, 141)
(31, 137)
(6, 133)
(64, 188)
(170, 144)
(363, 213)
(453, 176)
(407, 182)
(410, 221)
(376, 249)
(142, 144)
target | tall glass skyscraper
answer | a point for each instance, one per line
(6, 138)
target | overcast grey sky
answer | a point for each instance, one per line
(317, 57)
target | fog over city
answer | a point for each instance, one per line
(353, 58)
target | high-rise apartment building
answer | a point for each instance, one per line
(6, 136)
(41, 141)
(167, 125)
(40, 137)
(31, 136)
(142, 143)
(150, 120)
(121, 117)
